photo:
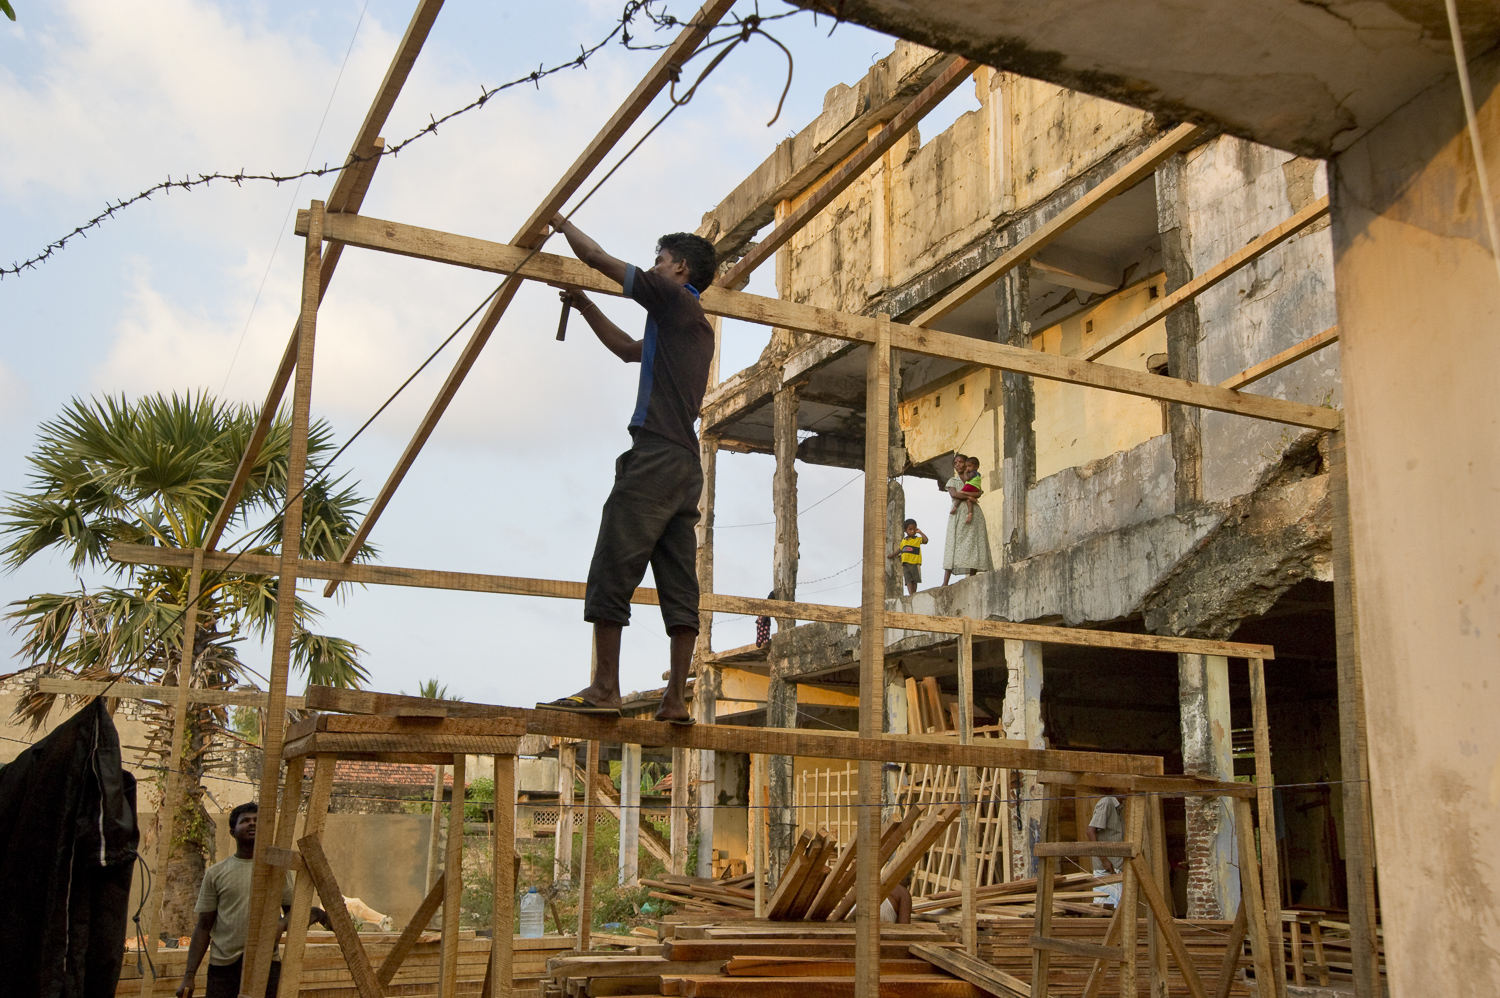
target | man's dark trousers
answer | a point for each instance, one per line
(649, 519)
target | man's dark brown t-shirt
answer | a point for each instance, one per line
(678, 348)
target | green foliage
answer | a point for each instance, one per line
(155, 471)
(245, 722)
(6, 8)
(432, 689)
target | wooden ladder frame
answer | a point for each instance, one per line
(423, 739)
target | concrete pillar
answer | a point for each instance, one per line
(781, 712)
(1213, 861)
(1419, 342)
(1018, 410)
(630, 814)
(895, 724)
(784, 497)
(895, 516)
(1022, 716)
(1182, 334)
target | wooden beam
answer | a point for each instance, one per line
(411, 933)
(142, 554)
(264, 906)
(317, 816)
(479, 254)
(1255, 249)
(1285, 358)
(868, 892)
(344, 931)
(531, 235)
(161, 694)
(586, 861)
(1122, 180)
(1265, 812)
(949, 80)
(453, 882)
(348, 195)
(968, 833)
(969, 968)
(1354, 759)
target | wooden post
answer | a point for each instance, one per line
(502, 851)
(872, 662)
(1022, 718)
(1265, 805)
(967, 827)
(706, 685)
(1046, 869)
(1156, 853)
(166, 818)
(1359, 830)
(1135, 828)
(757, 828)
(586, 863)
(265, 907)
(679, 820)
(453, 884)
(435, 829)
(1252, 899)
(302, 892)
(630, 814)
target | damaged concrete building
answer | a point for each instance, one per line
(1103, 509)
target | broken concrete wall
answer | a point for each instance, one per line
(1230, 192)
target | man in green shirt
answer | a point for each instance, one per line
(224, 913)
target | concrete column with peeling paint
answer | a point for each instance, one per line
(1022, 716)
(1213, 862)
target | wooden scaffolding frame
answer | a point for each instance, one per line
(330, 227)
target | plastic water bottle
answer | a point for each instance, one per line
(532, 908)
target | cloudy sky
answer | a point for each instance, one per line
(198, 291)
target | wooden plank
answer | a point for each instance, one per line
(817, 875)
(264, 905)
(868, 881)
(800, 947)
(480, 254)
(348, 195)
(1285, 358)
(161, 694)
(453, 882)
(1122, 180)
(1250, 892)
(411, 933)
(287, 859)
(311, 847)
(795, 966)
(950, 79)
(1041, 956)
(1253, 250)
(1146, 884)
(531, 235)
(1265, 809)
(144, 554)
(1081, 849)
(902, 986)
(586, 861)
(1073, 947)
(969, 968)
(1135, 828)
(1234, 953)
(166, 815)
(294, 950)
(1354, 759)
(503, 863)
(791, 877)
(1095, 981)
(822, 744)
(1184, 785)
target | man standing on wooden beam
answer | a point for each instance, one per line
(651, 513)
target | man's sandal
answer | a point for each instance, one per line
(578, 705)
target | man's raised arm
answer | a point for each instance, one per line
(589, 251)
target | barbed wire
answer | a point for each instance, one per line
(621, 30)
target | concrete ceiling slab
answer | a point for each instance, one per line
(1307, 76)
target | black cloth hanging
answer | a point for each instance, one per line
(68, 837)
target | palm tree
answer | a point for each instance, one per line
(155, 471)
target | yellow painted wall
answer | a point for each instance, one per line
(1075, 425)
(1054, 134)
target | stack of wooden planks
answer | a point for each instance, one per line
(1005, 943)
(728, 898)
(326, 975)
(1073, 894)
(756, 958)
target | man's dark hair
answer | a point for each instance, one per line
(696, 252)
(249, 807)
